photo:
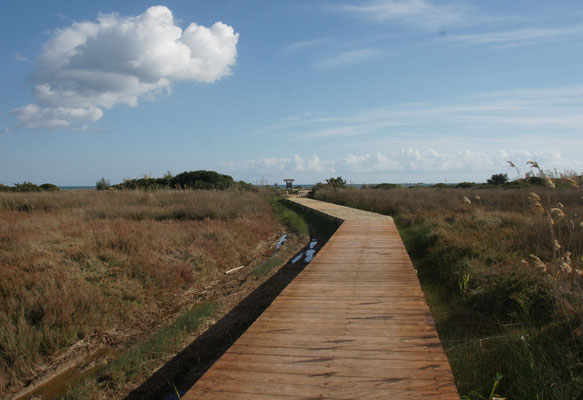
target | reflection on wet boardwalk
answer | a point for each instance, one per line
(353, 325)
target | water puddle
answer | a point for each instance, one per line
(309, 254)
(57, 386)
(297, 258)
(279, 243)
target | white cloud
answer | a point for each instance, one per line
(89, 66)
(20, 57)
(304, 44)
(533, 113)
(422, 14)
(348, 57)
(33, 116)
(312, 164)
(268, 166)
(404, 165)
(367, 163)
(520, 37)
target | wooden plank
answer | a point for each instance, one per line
(353, 324)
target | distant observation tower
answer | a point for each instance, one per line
(289, 183)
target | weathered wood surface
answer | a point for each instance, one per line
(353, 325)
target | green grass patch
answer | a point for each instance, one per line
(143, 356)
(266, 267)
(289, 217)
(300, 220)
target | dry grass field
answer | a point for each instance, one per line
(83, 266)
(501, 270)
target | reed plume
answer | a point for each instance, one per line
(536, 206)
(537, 262)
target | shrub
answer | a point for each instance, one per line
(209, 180)
(498, 179)
(385, 186)
(49, 187)
(26, 187)
(102, 184)
(336, 183)
(202, 180)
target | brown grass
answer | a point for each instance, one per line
(76, 265)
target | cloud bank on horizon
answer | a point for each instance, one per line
(401, 165)
(91, 66)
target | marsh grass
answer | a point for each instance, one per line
(294, 219)
(139, 205)
(266, 267)
(95, 264)
(497, 310)
(141, 357)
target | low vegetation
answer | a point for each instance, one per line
(29, 187)
(185, 180)
(102, 266)
(143, 356)
(502, 273)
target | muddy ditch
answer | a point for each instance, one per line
(182, 372)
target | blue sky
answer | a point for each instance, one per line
(374, 91)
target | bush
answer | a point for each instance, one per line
(4, 188)
(498, 179)
(102, 184)
(336, 183)
(49, 187)
(385, 186)
(186, 180)
(26, 187)
(202, 180)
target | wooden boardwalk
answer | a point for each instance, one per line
(353, 324)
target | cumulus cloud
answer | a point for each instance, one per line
(402, 165)
(268, 166)
(90, 66)
(312, 164)
(33, 116)
(367, 163)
